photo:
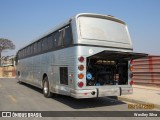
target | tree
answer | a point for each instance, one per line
(5, 44)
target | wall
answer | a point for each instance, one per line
(147, 71)
(7, 71)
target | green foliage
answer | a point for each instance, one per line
(6, 44)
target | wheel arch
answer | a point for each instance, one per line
(44, 75)
(49, 93)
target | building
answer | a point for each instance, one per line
(7, 68)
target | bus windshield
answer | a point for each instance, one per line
(103, 30)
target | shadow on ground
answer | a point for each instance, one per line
(31, 87)
(81, 103)
(87, 102)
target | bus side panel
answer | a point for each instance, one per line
(30, 70)
(64, 58)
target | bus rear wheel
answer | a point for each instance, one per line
(46, 90)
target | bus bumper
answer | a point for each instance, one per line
(92, 93)
(101, 92)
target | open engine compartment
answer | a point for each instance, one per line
(109, 68)
(106, 72)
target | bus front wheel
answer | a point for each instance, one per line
(46, 90)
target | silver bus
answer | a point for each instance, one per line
(88, 56)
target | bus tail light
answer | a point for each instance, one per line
(80, 84)
(131, 75)
(81, 59)
(131, 82)
(80, 76)
(81, 67)
(131, 68)
(131, 65)
(131, 62)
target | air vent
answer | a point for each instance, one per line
(64, 75)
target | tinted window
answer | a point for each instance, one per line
(108, 31)
(58, 38)
(44, 44)
(39, 47)
(67, 36)
(19, 54)
(29, 53)
(32, 49)
(35, 47)
(24, 52)
(50, 41)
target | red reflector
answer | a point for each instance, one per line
(131, 68)
(81, 59)
(131, 62)
(131, 75)
(81, 67)
(131, 82)
(80, 84)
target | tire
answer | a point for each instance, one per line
(46, 90)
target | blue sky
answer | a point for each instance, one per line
(24, 20)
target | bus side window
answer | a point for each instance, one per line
(24, 52)
(32, 49)
(19, 54)
(39, 47)
(58, 38)
(35, 48)
(50, 42)
(29, 53)
(44, 44)
(67, 36)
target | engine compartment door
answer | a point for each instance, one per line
(118, 55)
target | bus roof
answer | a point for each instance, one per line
(109, 17)
(69, 20)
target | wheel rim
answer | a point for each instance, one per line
(45, 87)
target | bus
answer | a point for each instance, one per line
(88, 56)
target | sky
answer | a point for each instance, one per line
(24, 20)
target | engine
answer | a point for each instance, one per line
(103, 72)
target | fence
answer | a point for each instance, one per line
(7, 71)
(147, 71)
